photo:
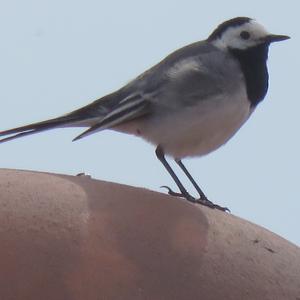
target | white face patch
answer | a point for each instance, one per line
(232, 38)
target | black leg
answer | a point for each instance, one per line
(184, 193)
(192, 180)
(203, 199)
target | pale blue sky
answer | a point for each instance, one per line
(56, 56)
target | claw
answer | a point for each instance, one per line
(188, 197)
(204, 202)
(171, 192)
(225, 209)
(210, 204)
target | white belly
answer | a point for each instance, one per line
(200, 129)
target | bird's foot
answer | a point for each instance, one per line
(190, 198)
(172, 193)
(82, 174)
(210, 204)
(186, 196)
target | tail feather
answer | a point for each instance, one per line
(36, 127)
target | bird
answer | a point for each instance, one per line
(189, 104)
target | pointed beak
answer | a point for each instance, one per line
(271, 38)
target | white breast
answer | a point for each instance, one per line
(200, 129)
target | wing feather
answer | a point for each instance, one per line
(132, 108)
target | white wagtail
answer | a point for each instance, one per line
(189, 104)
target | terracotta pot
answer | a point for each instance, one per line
(71, 238)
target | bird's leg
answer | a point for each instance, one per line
(184, 193)
(203, 199)
(192, 180)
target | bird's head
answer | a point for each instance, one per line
(242, 33)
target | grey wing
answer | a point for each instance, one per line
(181, 79)
(131, 107)
(191, 74)
(197, 78)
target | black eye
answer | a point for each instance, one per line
(245, 35)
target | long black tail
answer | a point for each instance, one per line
(37, 127)
(86, 116)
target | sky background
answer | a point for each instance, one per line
(56, 56)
